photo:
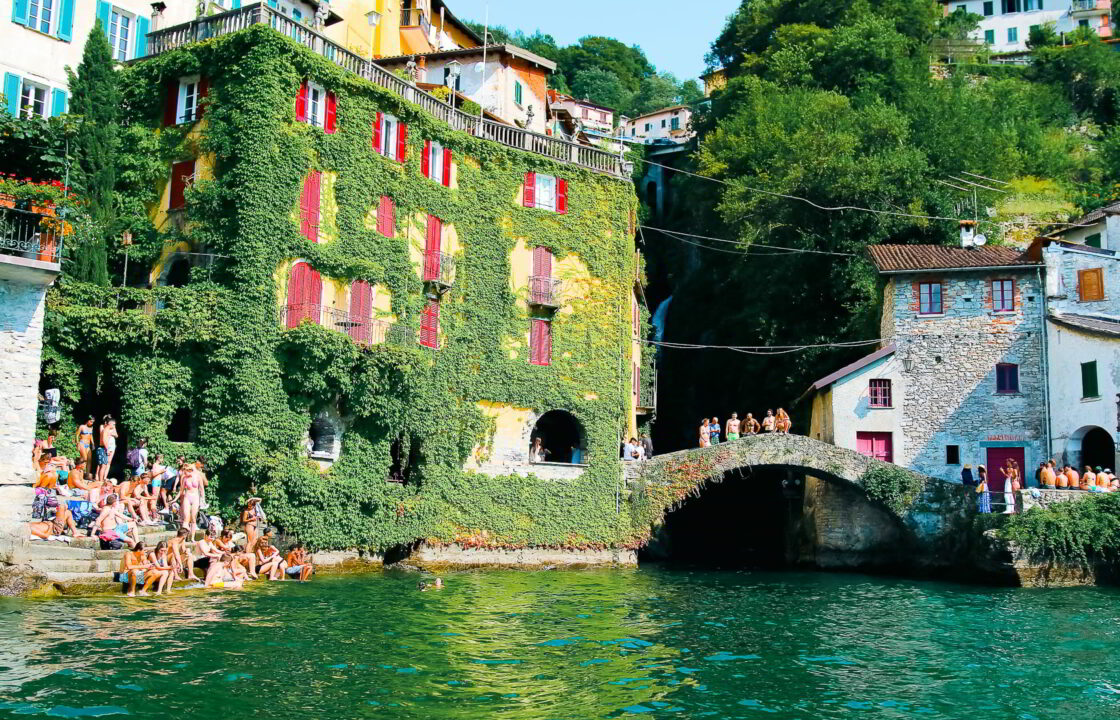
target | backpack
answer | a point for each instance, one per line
(134, 457)
(39, 507)
(110, 541)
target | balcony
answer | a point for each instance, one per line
(1082, 7)
(439, 269)
(544, 291)
(167, 39)
(647, 392)
(30, 239)
(363, 331)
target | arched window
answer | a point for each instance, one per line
(305, 295)
(179, 274)
(179, 429)
(561, 436)
(361, 301)
(325, 435)
(1097, 448)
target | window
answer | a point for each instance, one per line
(545, 192)
(962, 8)
(990, 37)
(315, 106)
(1012, 35)
(40, 15)
(879, 391)
(120, 33)
(1090, 285)
(662, 122)
(447, 79)
(361, 303)
(305, 295)
(540, 342)
(436, 163)
(649, 126)
(1093, 240)
(989, 8)
(586, 113)
(675, 124)
(433, 249)
(309, 201)
(1089, 387)
(633, 131)
(387, 217)
(879, 445)
(1007, 378)
(32, 100)
(1029, 5)
(1083, 23)
(517, 92)
(182, 173)
(429, 324)
(1003, 295)
(390, 137)
(189, 95)
(929, 299)
(603, 117)
(952, 454)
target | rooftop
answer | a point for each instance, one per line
(662, 110)
(849, 369)
(1089, 323)
(920, 258)
(227, 23)
(1092, 217)
(503, 48)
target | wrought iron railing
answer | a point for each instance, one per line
(586, 156)
(1089, 5)
(413, 17)
(439, 268)
(364, 331)
(647, 390)
(30, 235)
(544, 291)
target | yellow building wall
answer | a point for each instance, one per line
(387, 40)
(417, 234)
(159, 213)
(508, 426)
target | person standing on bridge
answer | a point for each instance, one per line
(768, 422)
(647, 446)
(733, 427)
(705, 436)
(714, 430)
(782, 423)
(750, 425)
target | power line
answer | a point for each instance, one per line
(784, 250)
(764, 349)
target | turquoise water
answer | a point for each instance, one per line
(596, 644)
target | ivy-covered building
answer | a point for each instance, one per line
(363, 305)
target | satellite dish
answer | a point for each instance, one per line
(979, 240)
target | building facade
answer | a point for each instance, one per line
(671, 124)
(1007, 24)
(962, 378)
(401, 27)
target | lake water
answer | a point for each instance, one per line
(596, 644)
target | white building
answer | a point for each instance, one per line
(1007, 23)
(671, 124)
(1083, 338)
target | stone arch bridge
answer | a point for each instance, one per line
(857, 511)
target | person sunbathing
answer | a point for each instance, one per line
(222, 574)
(269, 561)
(112, 521)
(299, 564)
(63, 521)
(179, 552)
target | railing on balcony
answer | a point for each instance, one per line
(544, 291)
(593, 158)
(364, 331)
(439, 269)
(1090, 5)
(415, 17)
(30, 235)
(647, 391)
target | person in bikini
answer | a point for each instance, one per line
(179, 552)
(269, 562)
(247, 559)
(299, 564)
(733, 427)
(84, 440)
(250, 517)
(159, 570)
(134, 563)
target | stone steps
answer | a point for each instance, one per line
(51, 566)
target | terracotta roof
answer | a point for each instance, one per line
(1092, 217)
(513, 50)
(916, 258)
(848, 370)
(1089, 323)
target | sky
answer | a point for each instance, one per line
(674, 35)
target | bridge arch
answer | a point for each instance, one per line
(920, 518)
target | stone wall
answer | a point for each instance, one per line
(22, 297)
(950, 391)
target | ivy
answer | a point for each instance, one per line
(895, 487)
(252, 386)
(1073, 534)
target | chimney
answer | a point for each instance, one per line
(157, 15)
(422, 69)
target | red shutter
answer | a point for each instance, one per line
(432, 248)
(332, 112)
(361, 300)
(181, 173)
(402, 142)
(171, 104)
(424, 161)
(561, 196)
(530, 190)
(637, 382)
(203, 92)
(305, 293)
(301, 103)
(542, 262)
(429, 325)
(540, 342)
(377, 133)
(309, 206)
(447, 167)
(386, 217)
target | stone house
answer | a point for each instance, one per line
(960, 378)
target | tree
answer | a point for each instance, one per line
(958, 24)
(96, 97)
(601, 87)
(690, 92)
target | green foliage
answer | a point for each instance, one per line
(1074, 533)
(252, 387)
(601, 86)
(958, 24)
(35, 147)
(94, 96)
(891, 485)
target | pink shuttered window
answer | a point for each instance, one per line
(361, 305)
(432, 248)
(540, 342)
(429, 325)
(309, 206)
(528, 198)
(387, 217)
(305, 295)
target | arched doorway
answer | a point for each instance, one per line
(561, 435)
(180, 428)
(1091, 445)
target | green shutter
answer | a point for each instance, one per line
(103, 10)
(58, 102)
(19, 11)
(236, 4)
(142, 25)
(517, 92)
(11, 93)
(1093, 240)
(66, 20)
(1089, 387)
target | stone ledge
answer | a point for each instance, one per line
(432, 558)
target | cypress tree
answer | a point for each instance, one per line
(96, 97)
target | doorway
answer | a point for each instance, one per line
(879, 445)
(997, 457)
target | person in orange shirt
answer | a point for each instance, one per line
(1047, 477)
(1062, 478)
(1073, 476)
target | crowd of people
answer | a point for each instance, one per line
(1049, 475)
(71, 500)
(712, 433)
